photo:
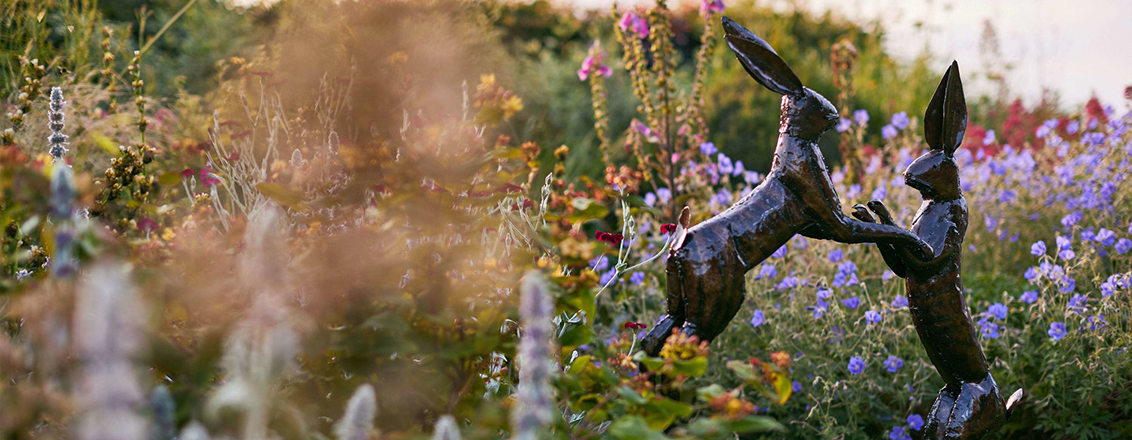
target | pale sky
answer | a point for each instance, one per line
(1075, 47)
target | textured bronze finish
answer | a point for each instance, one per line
(707, 264)
(970, 404)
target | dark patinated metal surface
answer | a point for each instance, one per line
(970, 404)
(707, 264)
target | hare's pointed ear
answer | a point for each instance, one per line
(760, 60)
(945, 120)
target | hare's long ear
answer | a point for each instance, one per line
(760, 60)
(945, 120)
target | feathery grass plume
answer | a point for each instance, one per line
(56, 139)
(446, 429)
(263, 262)
(194, 431)
(164, 414)
(108, 334)
(263, 346)
(534, 408)
(360, 411)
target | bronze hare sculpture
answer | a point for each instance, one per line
(707, 264)
(970, 404)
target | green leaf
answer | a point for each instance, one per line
(592, 211)
(706, 393)
(754, 424)
(575, 335)
(631, 395)
(105, 143)
(579, 364)
(694, 367)
(169, 178)
(280, 194)
(634, 428)
(742, 369)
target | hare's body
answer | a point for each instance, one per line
(970, 404)
(707, 264)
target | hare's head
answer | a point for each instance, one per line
(805, 113)
(936, 174)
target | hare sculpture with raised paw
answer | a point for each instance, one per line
(707, 264)
(970, 404)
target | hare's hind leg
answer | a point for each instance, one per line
(713, 295)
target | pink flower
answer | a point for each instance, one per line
(636, 23)
(207, 178)
(593, 64)
(708, 7)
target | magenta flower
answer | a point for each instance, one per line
(592, 64)
(637, 24)
(644, 130)
(146, 224)
(207, 178)
(708, 7)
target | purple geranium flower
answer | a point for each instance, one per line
(1056, 330)
(861, 116)
(852, 303)
(900, 120)
(893, 363)
(915, 422)
(758, 319)
(856, 365)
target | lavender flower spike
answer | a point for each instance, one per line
(358, 420)
(446, 429)
(56, 139)
(108, 325)
(535, 406)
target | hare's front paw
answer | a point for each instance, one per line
(882, 212)
(861, 213)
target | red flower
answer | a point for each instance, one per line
(509, 188)
(633, 326)
(527, 203)
(233, 157)
(613, 239)
(146, 224)
(667, 227)
(187, 173)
